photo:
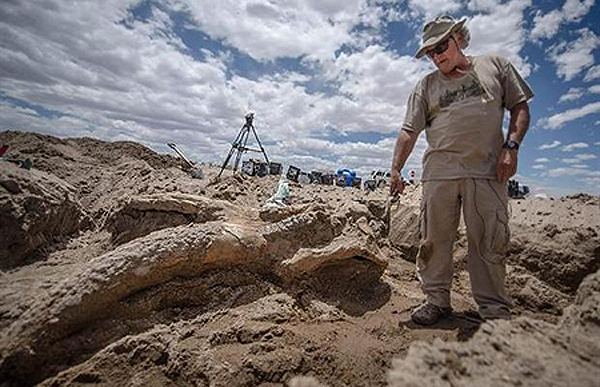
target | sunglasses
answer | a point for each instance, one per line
(440, 48)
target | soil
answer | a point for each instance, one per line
(120, 268)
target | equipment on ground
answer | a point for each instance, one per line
(261, 169)
(253, 167)
(248, 167)
(281, 198)
(292, 173)
(377, 179)
(345, 177)
(195, 172)
(25, 164)
(516, 191)
(239, 144)
(370, 185)
(315, 177)
(303, 178)
(275, 168)
(382, 178)
(412, 177)
(328, 178)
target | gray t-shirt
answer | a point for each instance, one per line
(462, 117)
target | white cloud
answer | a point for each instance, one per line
(559, 172)
(136, 80)
(546, 26)
(570, 161)
(501, 31)
(586, 156)
(593, 183)
(102, 71)
(376, 74)
(117, 77)
(574, 10)
(541, 160)
(573, 57)
(576, 145)
(594, 89)
(266, 30)
(539, 166)
(573, 94)
(17, 118)
(559, 119)
(482, 5)
(431, 8)
(554, 144)
(592, 73)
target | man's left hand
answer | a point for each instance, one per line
(507, 165)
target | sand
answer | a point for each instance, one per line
(119, 268)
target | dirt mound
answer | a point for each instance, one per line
(37, 211)
(271, 345)
(111, 153)
(51, 154)
(132, 282)
(557, 240)
(138, 216)
(99, 171)
(520, 352)
(583, 198)
(175, 280)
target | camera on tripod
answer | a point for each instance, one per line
(239, 147)
(249, 118)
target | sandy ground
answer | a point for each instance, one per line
(119, 268)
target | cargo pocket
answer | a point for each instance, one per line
(423, 221)
(425, 248)
(497, 251)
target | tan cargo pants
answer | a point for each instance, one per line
(484, 204)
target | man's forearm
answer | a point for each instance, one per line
(507, 160)
(404, 146)
(519, 122)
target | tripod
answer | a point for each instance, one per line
(239, 144)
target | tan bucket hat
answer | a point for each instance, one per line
(436, 31)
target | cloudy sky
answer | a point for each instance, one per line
(328, 80)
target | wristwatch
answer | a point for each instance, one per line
(511, 145)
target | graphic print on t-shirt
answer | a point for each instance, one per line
(472, 89)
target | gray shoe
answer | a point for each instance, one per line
(428, 314)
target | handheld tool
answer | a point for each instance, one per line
(195, 172)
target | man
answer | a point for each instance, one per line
(467, 164)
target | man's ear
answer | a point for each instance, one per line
(462, 37)
(458, 38)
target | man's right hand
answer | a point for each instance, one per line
(396, 184)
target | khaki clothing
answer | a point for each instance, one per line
(484, 203)
(463, 117)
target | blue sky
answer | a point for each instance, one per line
(327, 79)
